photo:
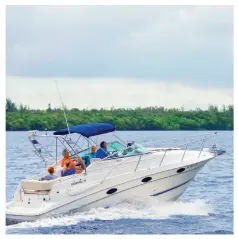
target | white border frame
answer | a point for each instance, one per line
(103, 2)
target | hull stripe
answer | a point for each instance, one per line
(170, 189)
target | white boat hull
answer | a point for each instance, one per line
(163, 182)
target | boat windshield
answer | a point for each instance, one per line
(115, 146)
(118, 150)
(135, 149)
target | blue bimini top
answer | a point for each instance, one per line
(88, 130)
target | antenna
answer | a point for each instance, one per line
(62, 107)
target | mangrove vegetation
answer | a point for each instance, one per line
(20, 117)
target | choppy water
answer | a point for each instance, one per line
(206, 207)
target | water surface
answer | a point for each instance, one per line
(206, 207)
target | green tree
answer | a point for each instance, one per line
(10, 106)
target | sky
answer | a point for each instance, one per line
(120, 56)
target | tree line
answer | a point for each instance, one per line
(20, 117)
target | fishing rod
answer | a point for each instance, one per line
(63, 107)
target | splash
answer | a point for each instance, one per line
(140, 208)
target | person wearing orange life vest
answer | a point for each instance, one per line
(67, 159)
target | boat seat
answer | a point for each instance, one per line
(38, 185)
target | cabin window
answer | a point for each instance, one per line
(147, 179)
(112, 190)
(180, 170)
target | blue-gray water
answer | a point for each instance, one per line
(206, 207)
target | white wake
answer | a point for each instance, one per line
(143, 208)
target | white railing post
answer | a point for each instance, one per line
(163, 157)
(214, 138)
(138, 162)
(203, 142)
(184, 152)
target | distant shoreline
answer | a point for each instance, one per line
(22, 118)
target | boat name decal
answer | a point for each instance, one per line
(75, 183)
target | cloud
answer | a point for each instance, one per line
(188, 44)
(116, 92)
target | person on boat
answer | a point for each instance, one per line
(102, 151)
(87, 157)
(80, 165)
(128, 149)
(67, 170)
(49, 176)
(93, 151)
(68, 159)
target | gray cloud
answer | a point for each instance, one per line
(175, 43)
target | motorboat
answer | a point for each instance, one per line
(130, 169)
